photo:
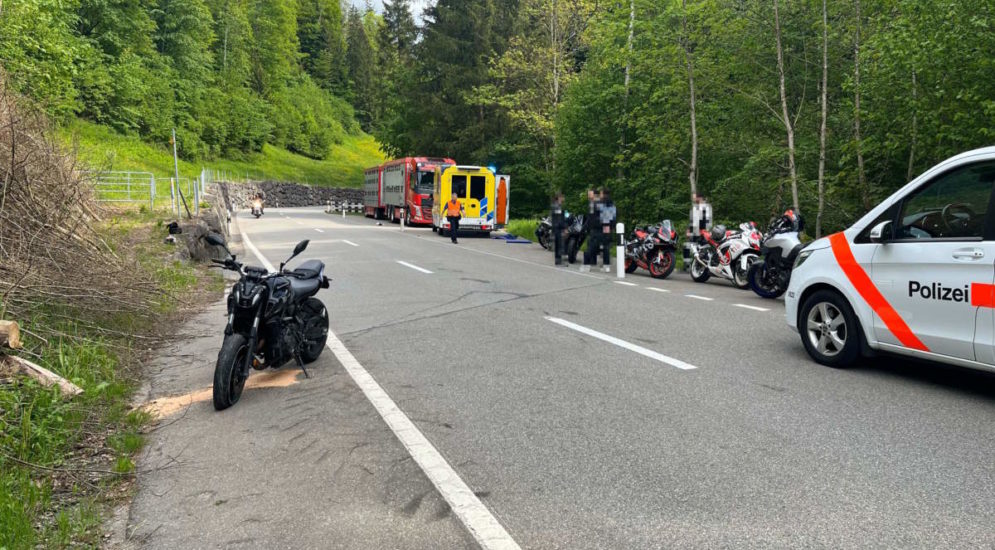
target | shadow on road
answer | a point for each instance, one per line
(958, 379)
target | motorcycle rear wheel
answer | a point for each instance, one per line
(665, 267)
(315, 329)
(228, 379)
(757, 276)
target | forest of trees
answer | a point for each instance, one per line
(229, 75)
(758, 104)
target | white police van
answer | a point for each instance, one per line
(915, 276)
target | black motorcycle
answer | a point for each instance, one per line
(574, 234)
(652, 249)
(272, 318)
(769, 277)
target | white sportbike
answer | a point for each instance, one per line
(726, 254)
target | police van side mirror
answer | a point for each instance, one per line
(881, 232)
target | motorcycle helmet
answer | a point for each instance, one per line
(718, 232)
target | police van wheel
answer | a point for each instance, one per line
(829, 329)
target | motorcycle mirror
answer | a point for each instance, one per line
(214, 239)
(301, 246)
(217, 240)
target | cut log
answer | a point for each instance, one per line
(10, 335)
(44, 376)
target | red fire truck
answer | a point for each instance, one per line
(404, 183)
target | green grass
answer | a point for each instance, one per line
(104, 149)
(524, 228)
(39, 427)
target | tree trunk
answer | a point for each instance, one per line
(784, 110)
(693, 172)
(10, 335)
(865, 191)
(822, 129)
(915, 129)
(628, 77)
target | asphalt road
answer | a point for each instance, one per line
(703, 425)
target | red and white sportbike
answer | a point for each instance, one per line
(726, 254)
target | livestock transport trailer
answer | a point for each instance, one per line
(402, 187)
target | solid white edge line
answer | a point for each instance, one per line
(657, 289)
(413, 266)
(623, 344)
(478, 520)
(754, 308)
(696, 297)
(350, 243)
(625, 283)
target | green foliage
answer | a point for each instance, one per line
(359, 62)
(524, 228)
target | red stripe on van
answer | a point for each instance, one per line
(870, 293)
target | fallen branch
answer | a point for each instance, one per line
(44, 376)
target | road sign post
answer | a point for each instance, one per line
(620, 251)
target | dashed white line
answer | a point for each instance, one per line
(624, 283)
(623, 344)
(754, 308)
(413, 266)
(657, 289)
(696, 297)
(350, 243)
(319, 230)
(483, 526)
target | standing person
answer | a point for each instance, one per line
(607, 220)
(556, 220)
(593, 222)
(454, 211)
(701, 215)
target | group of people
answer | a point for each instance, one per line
(601, 216)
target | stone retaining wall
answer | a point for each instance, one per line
(237, 195)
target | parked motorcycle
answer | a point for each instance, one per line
(272, 318)
(725, 254)
(257, 208)
(574, 234)
(652, 249)
(780, 246)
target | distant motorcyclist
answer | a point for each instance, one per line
(593, 222)
(700, 220)
(606, 215)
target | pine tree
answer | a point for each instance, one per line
(359, 61)
(319, 29)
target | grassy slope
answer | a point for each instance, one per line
(104, 149)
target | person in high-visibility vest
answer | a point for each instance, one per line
(454, 211)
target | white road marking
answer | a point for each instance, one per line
(696, 297)
(319, 230)
(624, 283)
(485, 528)
(657, 289)
(350, 243)
(412, 266)
(623, 344)
(754, 308)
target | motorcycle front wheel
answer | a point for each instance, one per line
(664, 265)
(572, 250)
(741, 274)
(699, 270)
(228, 379)
(630, 265)
(759, 282)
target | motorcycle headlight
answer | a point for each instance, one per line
(802, 257)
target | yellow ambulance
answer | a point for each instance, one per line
(474, 186)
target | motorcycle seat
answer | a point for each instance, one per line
(304, 287)
(309, 269)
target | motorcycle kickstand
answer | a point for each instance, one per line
(297, 358)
